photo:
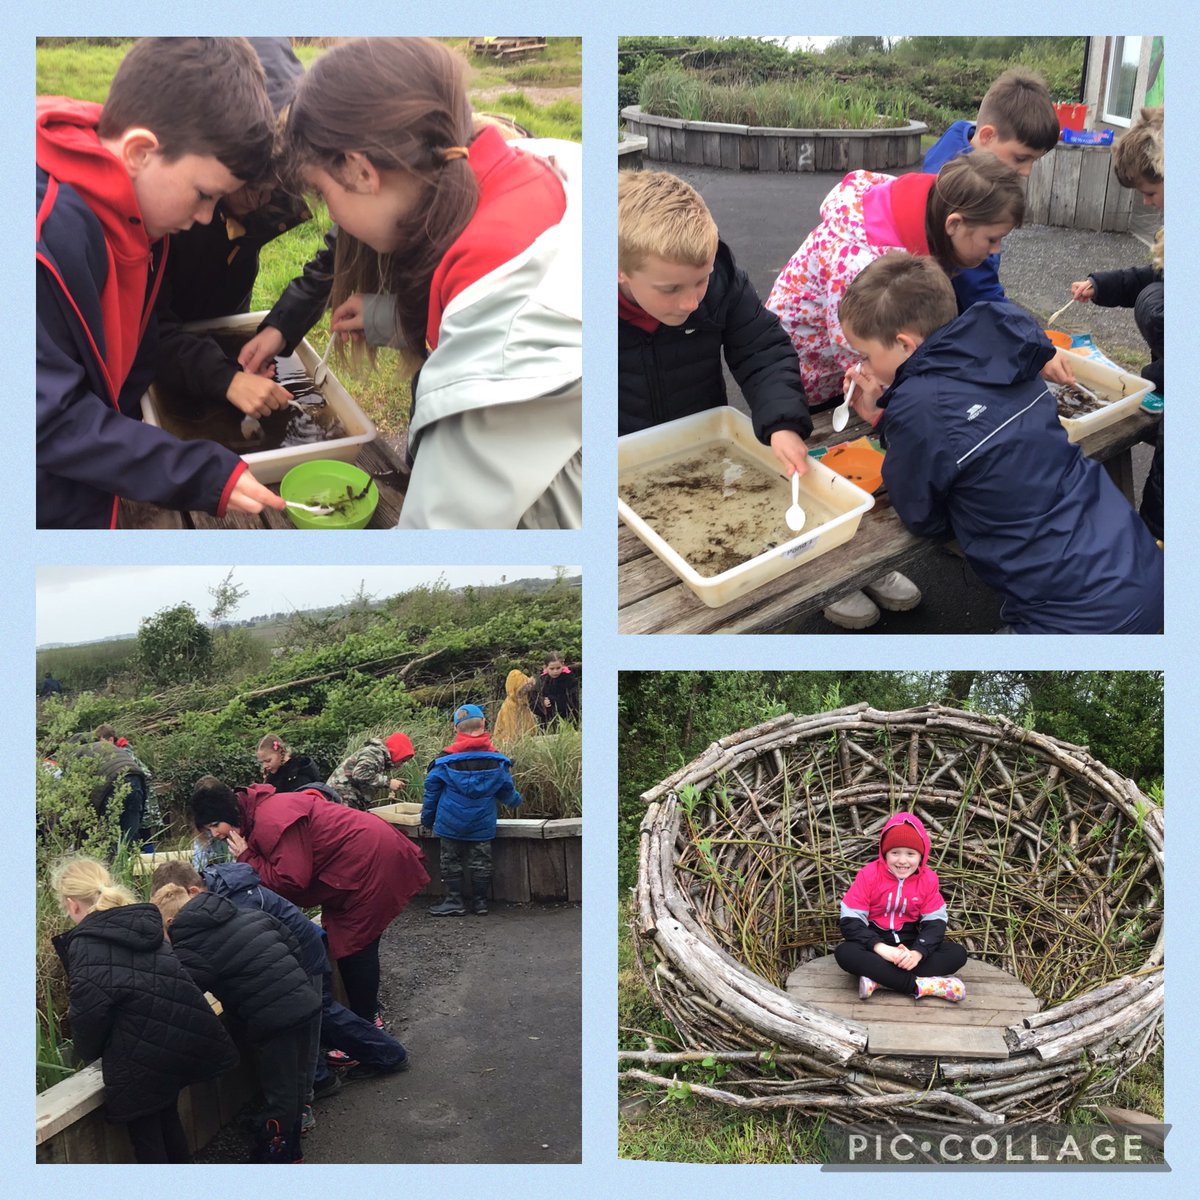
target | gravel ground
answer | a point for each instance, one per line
(489, 1009)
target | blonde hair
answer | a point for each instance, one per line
(1138, 156)
(658, 214)
(472, 725)
(87, 880)
(169, 899)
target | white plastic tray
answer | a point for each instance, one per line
(270, 466)
(725, 424)
(1104, 381)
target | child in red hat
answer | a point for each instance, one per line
(894, 920)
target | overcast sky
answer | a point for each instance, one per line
(83, 604)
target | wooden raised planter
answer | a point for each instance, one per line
(755, 148)
(1077, 188)
(532, 858)
(630, 151)
(71, 1126)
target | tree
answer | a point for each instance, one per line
(227, 596)
(174, 646)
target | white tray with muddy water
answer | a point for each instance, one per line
(1119, 391)
(324, 424)
(709, 500)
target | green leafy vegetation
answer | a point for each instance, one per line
(937, 80)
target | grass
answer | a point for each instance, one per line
(84, 69)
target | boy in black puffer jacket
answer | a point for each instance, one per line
(253, 965)
(682, 303)
(134, 1007)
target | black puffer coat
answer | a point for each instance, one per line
(135, 1007)
(248, 960)
(676, 370)
(294, 774)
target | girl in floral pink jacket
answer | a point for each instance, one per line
(958, 216)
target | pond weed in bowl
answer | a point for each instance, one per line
(329, 482)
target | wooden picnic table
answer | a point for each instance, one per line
(376, 458)
(652, 599)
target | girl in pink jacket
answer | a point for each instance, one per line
(894, 920)
(958, 216)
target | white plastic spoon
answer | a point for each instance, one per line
(322, 371)
(1054, 316)
(321, 510)
(795, 514)
(841, 414)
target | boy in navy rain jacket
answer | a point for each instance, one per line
(462, 789)
(975, 451)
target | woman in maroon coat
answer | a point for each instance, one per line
(358, 868)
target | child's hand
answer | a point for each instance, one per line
(867, 390)
(256, 395)
(348, 316)
(258, 353)
(1083, 290)
(1058, 369)
(907, 959)
(886, 951)
(250, 496)
(788, 446)
(396, 785)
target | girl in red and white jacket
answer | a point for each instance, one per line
(894, 920)
(465, 251)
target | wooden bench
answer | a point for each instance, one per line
(900, 1025)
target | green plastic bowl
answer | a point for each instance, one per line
(322, 482)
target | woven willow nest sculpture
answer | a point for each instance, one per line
(1050, 862)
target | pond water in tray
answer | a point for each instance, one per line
(715, 506)
(309, 421)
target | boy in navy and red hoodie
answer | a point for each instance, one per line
(894, 920)
(186, 121)
(462, 789)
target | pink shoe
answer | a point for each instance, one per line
(866, 987)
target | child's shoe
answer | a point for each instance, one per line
(853, 611)
(866, 987)
(339, 1058)
(894, 591)
(307, 1121)
(944, 987)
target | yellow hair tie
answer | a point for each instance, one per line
(453, 152)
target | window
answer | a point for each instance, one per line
(1124, 54)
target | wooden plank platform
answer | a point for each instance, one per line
(900, 1025)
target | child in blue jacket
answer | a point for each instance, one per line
(462, 789)
(975, 451)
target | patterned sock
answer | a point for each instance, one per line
(866, 987)
(945, 987)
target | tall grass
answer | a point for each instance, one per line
(687, 95)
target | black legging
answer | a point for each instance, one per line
(360, 977)
(158, 1137)
(858, 960)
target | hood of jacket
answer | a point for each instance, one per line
(136, 927)
(991, 343)
(206, 911)
(471, 743)
(514, 682)
(905, 818)
(250, 798)
(223, 879)
(842, 208)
